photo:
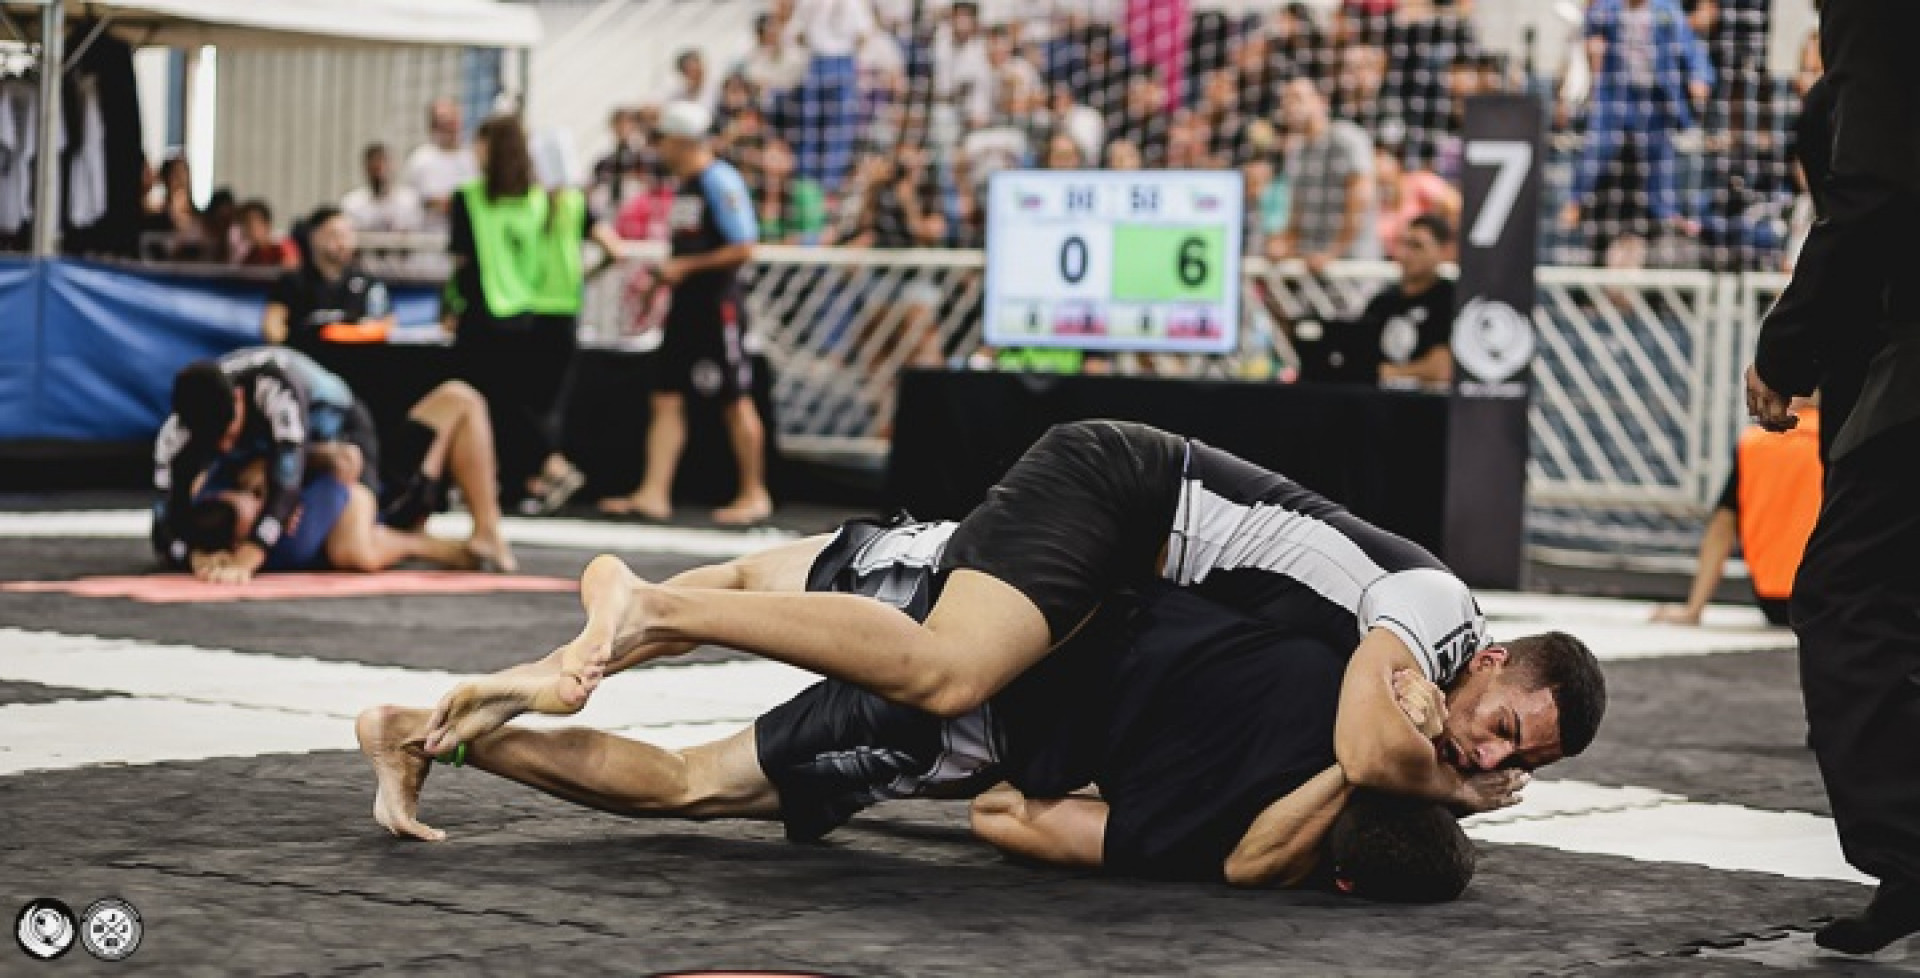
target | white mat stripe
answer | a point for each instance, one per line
(190, 703)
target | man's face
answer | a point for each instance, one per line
(965, 23)
(678, 153)
(1420, 255)
(445, 124)
(379, 168)
(333, 242)
(1497, 719)
(1302, 105)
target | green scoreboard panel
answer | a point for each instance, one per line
(1107, 260)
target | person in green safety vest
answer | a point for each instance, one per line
(513, 306)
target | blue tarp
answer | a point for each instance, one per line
(88, 351)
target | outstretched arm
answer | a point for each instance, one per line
(1282, 846)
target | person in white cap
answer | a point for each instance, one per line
(702, 355)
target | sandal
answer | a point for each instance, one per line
(552, 492)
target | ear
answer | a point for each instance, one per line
(1491, 657)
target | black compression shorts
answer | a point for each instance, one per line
(1082, 514)
(703, 353)
(836, 749)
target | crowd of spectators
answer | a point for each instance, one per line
(879, 123)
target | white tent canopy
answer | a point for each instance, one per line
(253, 23)
(311, 23)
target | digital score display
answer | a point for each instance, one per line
(1114, 260)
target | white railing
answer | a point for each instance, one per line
(1638, 385)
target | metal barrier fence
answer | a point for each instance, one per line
(1638, 386)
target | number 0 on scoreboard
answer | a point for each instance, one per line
(1107, 260)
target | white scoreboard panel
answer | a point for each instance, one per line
(1114, 260)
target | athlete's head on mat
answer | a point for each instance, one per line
(1397, 850)
(208, 404)
(1523, 704)
(221, 518)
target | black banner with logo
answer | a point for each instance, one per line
(1493, 341)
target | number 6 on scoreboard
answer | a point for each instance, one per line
(1515, 160)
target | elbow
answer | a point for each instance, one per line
(1366, 766)
(1245, 873)
(950, 700)
(992, 815)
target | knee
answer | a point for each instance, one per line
(463, 394)
(950, 696)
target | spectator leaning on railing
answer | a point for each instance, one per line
(1650, 73)
(1330, 176)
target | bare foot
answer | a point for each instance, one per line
(607, 591)
(645, 507)
(492, 554)
(559, 684)
(399, 769)
(486, 704)
(749, 509)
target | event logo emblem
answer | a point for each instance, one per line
(1492, 340)
(111, 929)
(44, 929)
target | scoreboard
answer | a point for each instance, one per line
(1114, 260)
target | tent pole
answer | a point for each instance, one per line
(46, 201)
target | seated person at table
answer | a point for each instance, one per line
(1403, 337)
(277, 404)
(336, 526)
(329, 298)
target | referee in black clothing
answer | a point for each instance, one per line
(1851, 317)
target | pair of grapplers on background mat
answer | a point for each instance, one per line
(1128, 609)
(270, 462)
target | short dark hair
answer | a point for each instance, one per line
(321, 215)
(686, 55)
(210, 527)
(259, 207)
(1434, 225)
(203, 400)
(1399, 850)
(1561, 663)
(373, 150)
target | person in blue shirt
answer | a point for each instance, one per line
(1650, 74)
(702, 353)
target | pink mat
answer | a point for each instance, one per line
(184, 589)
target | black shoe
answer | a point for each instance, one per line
(1893, 914)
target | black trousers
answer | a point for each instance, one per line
(1856, 607)
(519, 368)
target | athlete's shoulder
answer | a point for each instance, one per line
(1433, 613)
(721, 177)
